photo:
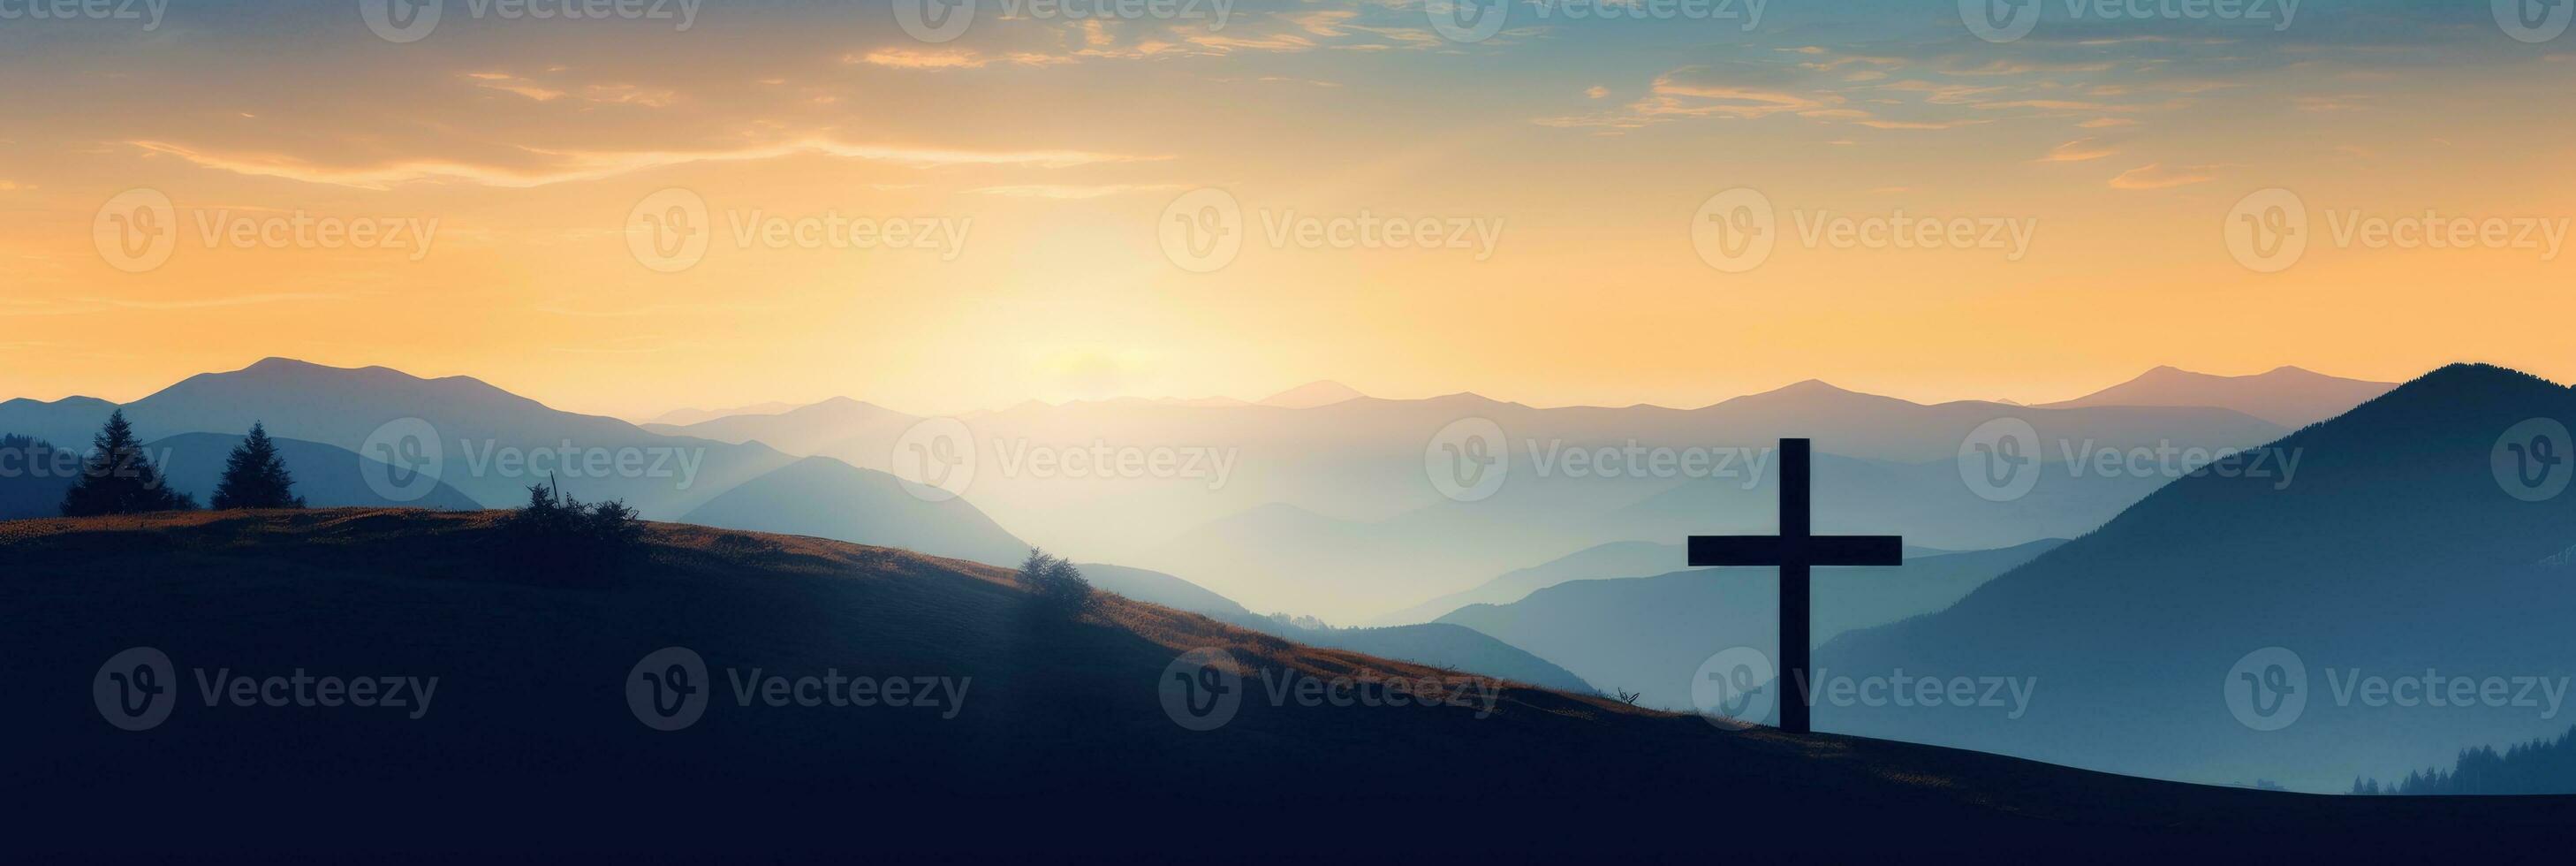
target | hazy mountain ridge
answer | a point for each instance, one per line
(1650, 634)
(492, 445)
(1441, 645)
(2397, 550)
(1337, 496)
(2288, 396)
(1614, 559)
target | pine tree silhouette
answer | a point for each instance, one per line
(255, 477)
(118, 477)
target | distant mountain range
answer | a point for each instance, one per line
(2399, 552)
(326, 477)
(1318, 500)
(680, 417)
(2288, 396)
(491, 445)
(193, 463)
(1440, 644)
(1615, 559)
(1651, 634)
(1313, 394)
(1331, 509)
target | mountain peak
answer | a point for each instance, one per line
(2288, 396)
(1812, 386)
(1322, 392)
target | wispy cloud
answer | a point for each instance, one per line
(1063, 191)
(2078, 150)
(84, 305)
(560, 166)
(2157, 176)
(951, 58)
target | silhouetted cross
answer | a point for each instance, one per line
(1794, 550)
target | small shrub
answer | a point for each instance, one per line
(1057, 584)
(557, 534)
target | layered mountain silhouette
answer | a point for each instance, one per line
(1615, 559)
(1651, 634)
(1331, 510)
(2400, 551)
(193, 464)
(1436, 644)
(682, 417)
(2288, 396)
(491, 445)
(826, 498)
(325, 477)
(1311, 395)
(1052, 722)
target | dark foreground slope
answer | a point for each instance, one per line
(1060, 748)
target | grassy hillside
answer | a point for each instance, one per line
(1061, 745)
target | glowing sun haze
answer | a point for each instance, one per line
(1047, 151)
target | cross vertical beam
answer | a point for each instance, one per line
(1795, 626)
(1794, 551)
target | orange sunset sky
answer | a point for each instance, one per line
(1057, 146)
